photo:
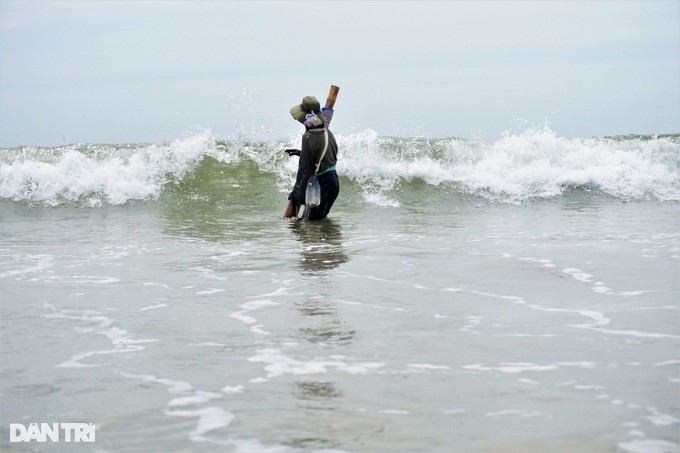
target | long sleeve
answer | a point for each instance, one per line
(305, 170)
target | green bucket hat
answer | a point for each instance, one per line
(309, 105)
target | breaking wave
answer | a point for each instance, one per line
(517, 167)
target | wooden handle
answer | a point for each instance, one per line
(332, 96)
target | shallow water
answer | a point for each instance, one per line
(518, 295)
(450, 323)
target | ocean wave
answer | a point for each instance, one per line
(97, 174)
(533, 164)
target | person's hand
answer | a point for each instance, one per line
(292, 152)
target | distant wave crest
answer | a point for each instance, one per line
(533, 164)
(517, 167)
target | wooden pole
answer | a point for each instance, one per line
(332, 96)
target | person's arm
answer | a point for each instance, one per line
(328, 114)
(305, 170)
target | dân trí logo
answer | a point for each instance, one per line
(53, 432)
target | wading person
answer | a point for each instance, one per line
(318, 155)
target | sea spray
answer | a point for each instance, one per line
(533, 164)
(99, 173)
(517, 167)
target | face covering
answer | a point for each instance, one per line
(313, 120)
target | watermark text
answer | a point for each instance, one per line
(52, 432)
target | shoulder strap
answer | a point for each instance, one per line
(325, 147)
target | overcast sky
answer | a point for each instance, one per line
(118, 72)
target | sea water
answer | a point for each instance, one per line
(517, 295)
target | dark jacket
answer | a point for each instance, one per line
(312, 147)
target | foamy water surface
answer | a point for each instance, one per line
(520, 295)
(529, 165)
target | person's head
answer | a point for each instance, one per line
(308, 112)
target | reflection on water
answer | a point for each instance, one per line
(322, 245)
(311, 390)
(329, 332)
(325, 325)
(312, 444)
(321, 250)
(317, 401)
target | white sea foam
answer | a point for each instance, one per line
(637, 333)
(603, 289)
(588, 387)
(257, 304)
(427, 366)
(649, 446)
(98, 173)
(521, 367)
(584, 365)
(259, 330)
(519, 412)
(660, 419)
(243, 318)
(90, 316)
(76, 279)
(229, 390)
(473, 321)
(209, 291)
(518, 166)
(163, 285)
(395, 412)
(36, 263)
(207, 273)
(379, 199)
(578, 274)
(210, 418)
(598, 318)
(527, 335)
(252, 306)
(111, 175)
(667, 363)
(198, 397)
(152, 307)
(511, 368)
(371, 305)
(172, 385)
(122, 341)
(75, 360)
(279, 364)
(455, 411)
(544, 262)
(535, 163)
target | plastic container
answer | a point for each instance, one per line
(313, 194)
